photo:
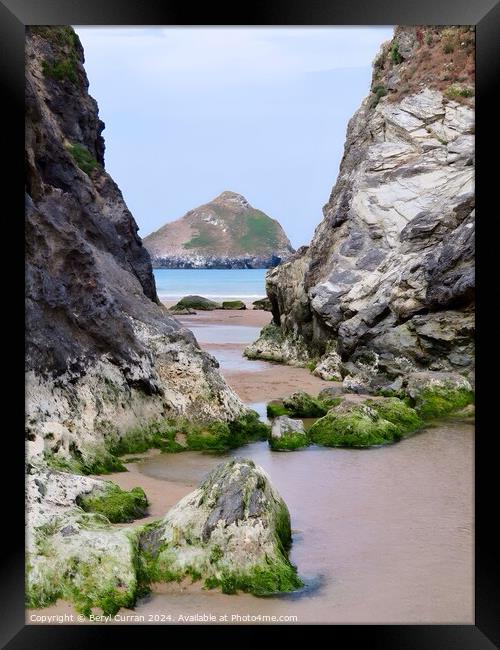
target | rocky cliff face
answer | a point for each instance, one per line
(387, 283)
(102, 354)
(222, 234)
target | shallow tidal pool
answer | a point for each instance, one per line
(379, 535)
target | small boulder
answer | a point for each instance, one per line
(283, 425)
(195, 302)
(262, 303)
(287, 434)
(353, 424)
(233, 304)
(435, 394)
(331, 392)
(302, 405)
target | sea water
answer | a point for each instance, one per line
(220, 284)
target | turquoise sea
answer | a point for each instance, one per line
(247, 284)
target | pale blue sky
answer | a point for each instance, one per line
(191, 112)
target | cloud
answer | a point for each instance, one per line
(230, 55)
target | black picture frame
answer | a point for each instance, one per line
(485, 15)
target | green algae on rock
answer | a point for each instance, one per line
(262, 304)
(352, 424)
(196, 302)
(301, 405)
(437, 394)
(287, 434)
(115, 504)
(398, 412)
(274, 345)
(233, 304)
(74, 555)
(232, 532)
(169, 435)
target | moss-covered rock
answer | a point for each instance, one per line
(233, 304)
(287, 434)
(233, 532)
(196, 302)
(74, 555)
(302, 405)
(398, 412)
(353, 424)
(275, 408)
(437, 394)
(115, 504)
(90, 459)
(220, 436)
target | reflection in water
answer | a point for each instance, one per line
(379, 535)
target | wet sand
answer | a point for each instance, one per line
(225, 334)
(379, 536)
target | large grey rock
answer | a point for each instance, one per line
(102, 355)
(233, 532)
(389, 272)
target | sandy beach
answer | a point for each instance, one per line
(412, 562)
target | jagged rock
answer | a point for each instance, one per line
(390, 270)
(102, 355)
(329, 367)
(232, 532)
(225, 233)
(273, 345)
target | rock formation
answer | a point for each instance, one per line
(386, 286)
(232, 532)
(226, 233)
(102, 353)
